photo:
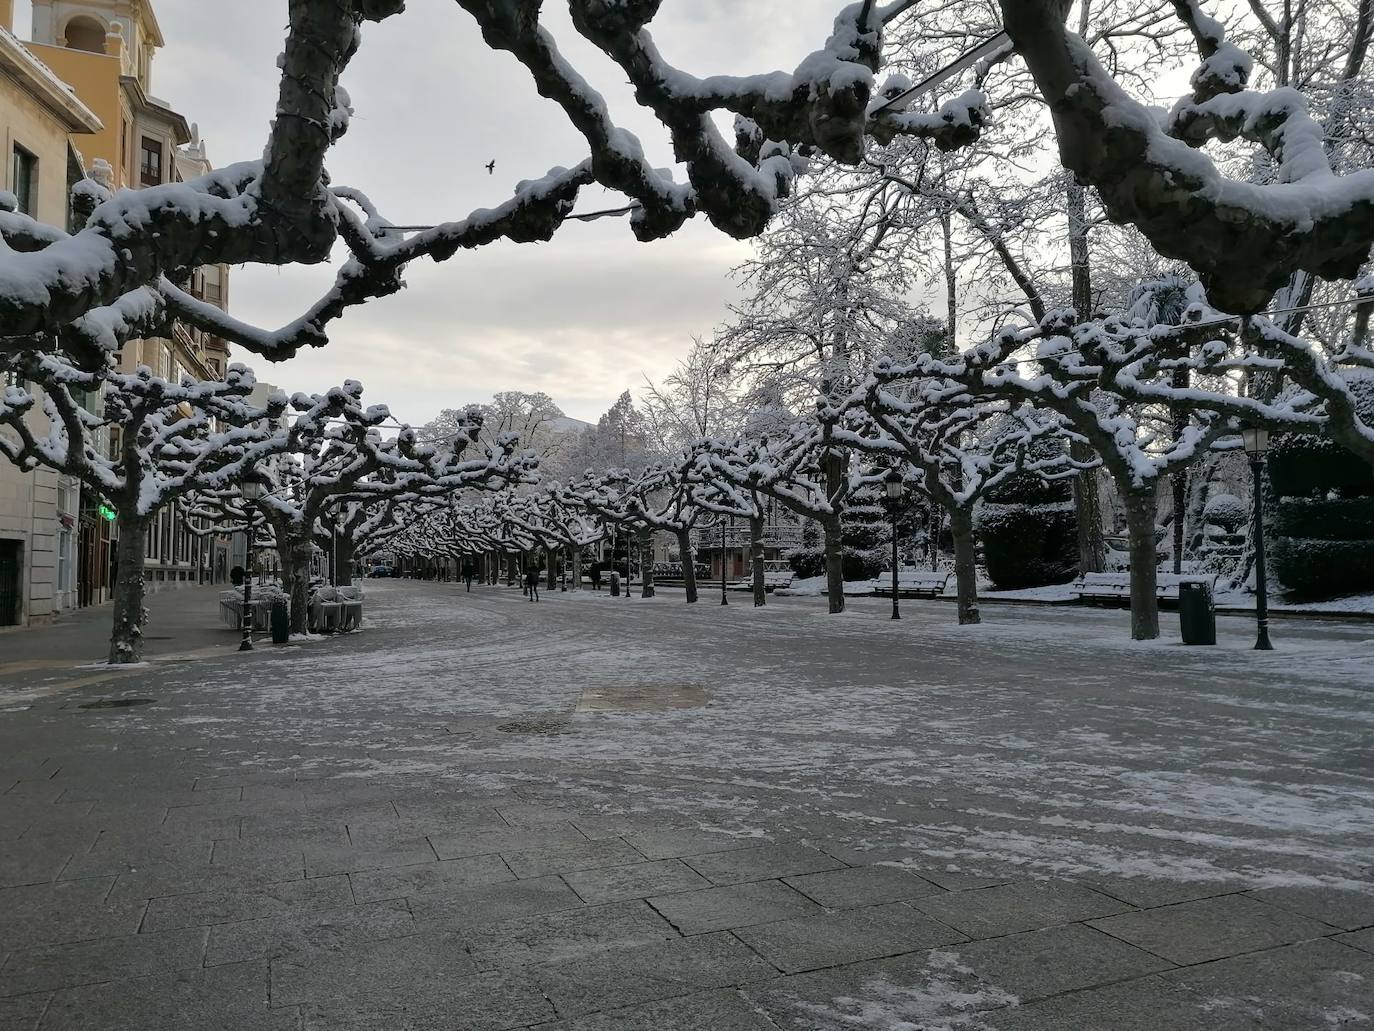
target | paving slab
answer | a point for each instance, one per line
(671, 843)
(583, 855)
(482, 841)
(929, 989)
(625, 977)
(761, 863)
(1343, 908)
(485, 1001)
(228, 998)
(1195, 932)
(1314, 984)
(33, 862)
(354, 973)
(319, 929)
(831, 939)
(706, 1011)
(1035, 964)
(739, 905)
(635, 881)
(862, 886)
(566, 934)
(104, 959)
(22, 1013)
(1358, 940)
(429, 878)
(249, 903)
(324, 861)
(65, 911)
(1142, 1004)
(1018, 906)
(494, 903)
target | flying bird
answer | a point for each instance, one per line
(491, 167)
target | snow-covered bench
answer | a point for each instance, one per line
(1116, 587)
(773, 580)
(913, 584)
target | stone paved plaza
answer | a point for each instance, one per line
(603, 814)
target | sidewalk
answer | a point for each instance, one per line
(182, 624)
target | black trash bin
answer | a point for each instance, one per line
(1197, 613)
(281, 622)
(615, 585)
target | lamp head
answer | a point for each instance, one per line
(1256, 439)
(892, 482)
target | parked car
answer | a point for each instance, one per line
(381, 571)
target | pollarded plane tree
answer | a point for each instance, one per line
(116, 277)
(154, 443)
(790, 469)
(727, 500)
(559, 520)
(954, 447)
(1055, 366)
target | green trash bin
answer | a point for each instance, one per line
(1197, 613)
(281, 622)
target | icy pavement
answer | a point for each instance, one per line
(602, 813)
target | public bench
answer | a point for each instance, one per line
(913, 584)
(1116, 587)
(773, 580)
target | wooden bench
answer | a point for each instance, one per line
(1116, 587)
(913, 584)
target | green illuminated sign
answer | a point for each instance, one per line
(107, 513)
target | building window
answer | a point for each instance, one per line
(150, 162)
(24, 181)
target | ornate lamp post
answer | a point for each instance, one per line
(1256, 440)
(251, 489)
(893, 484)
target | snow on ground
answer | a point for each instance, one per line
(1043, 741)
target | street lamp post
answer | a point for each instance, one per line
(1256, 440)
(893, 482)
(251, 490)
(724, 600)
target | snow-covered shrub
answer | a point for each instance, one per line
(1029, 532)
(1226, 511)
(858, 565)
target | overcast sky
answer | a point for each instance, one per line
(583, 317)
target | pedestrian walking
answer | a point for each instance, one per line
(596, 576)
(468, 574)
(532, 583)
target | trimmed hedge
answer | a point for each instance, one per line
(1314, 568)
(1338, 519)
(1026, 546)
(858, 565)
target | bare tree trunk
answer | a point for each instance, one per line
(299, 573)
(836, 471)
(933, 542)
(126, 638)
(689, 564)
(1087, 500)
(512, 571)
(756, 558)
(646, 563)
(553, 573)
(1141, 510)
(965, 566)
(343, 552)
(576, 576)
(834, 562)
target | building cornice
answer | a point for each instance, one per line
(40, 82)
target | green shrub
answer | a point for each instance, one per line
(858, 565)
(1334, 519)
(1026, 546)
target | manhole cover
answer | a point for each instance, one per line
(642, 698)
(539, 725)
(117, 703)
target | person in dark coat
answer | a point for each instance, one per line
(596, 576)
(532, 583)
(468, 574)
